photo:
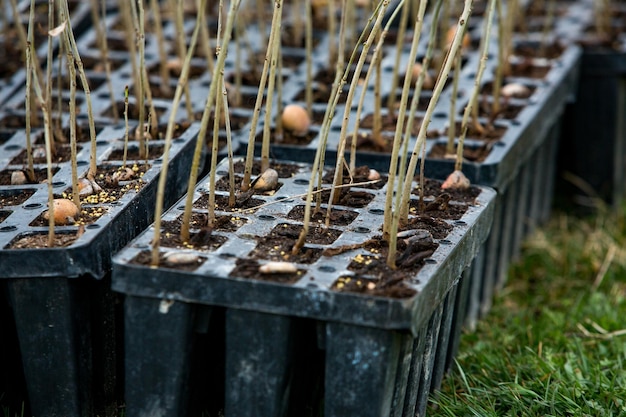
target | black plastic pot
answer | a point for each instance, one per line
(522, 159)
(593, 147)
(379, 354)
(66, 317)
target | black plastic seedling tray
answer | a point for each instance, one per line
(64, 311)
(374, 345)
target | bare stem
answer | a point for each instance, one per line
(158, 28)
(439, 84)
(48, 139)
(318, 163)
(274, 53)
(477, 82)
(219, 67)
(393, 166)
(452, 118)
(169, 133)
(70, 44)
(245, 185)
(404, 18)
(125, 126)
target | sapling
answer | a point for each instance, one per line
(476, 90)
(182, 49)
(158, 28)
(499, 70)
(318, 162)
(376, 58)
(269, 55)
(221, 104)
(547, 27)
(125, 126)
(308, 46)
(47, 136)
(453, 97)
(393, 168)
(72, 73)
(352, 90)
(101, 37)
(169, 133)
(70, 44)
(274, 47)
(213, 89)
(401, 31)
(602, 17)
(405, 180)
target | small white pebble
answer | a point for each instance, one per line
(278, 268)
(18, 178)
(373, 175)
(515, 90)
(180, 258)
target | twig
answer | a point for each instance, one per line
(606, 263)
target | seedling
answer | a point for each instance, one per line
(270, 57)
(213, 89)
(405, 180)
(101, 37)
(182, 81)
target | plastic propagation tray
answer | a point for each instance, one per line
(64, 311)
(379, 353)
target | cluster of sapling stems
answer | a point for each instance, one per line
(338, 177)
(375, 64)
(36, 84)
(405, 178)
(472, 102)
(393, 167)
(213, 90)
(158, 29)
(169, 134)
(269, 55)
(318, 162)
(101, 36)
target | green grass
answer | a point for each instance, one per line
(554, 343)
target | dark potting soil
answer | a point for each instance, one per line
(244, 203)
(389, 123)
(337, 216)
(470, 153)
(63, 154)
(526, 68)
(346, 197)
(237, 122)
(487, 132)
(487, 88)
(145, 258)
(360, 175)
(288, 137)
(534, 50)
(14, 197)
(87, 216)
(40, 240)
(368, 142)
(41, 175)
(284, 170)
(249, 268)
(133, 153)
(4, 215)
(374, 277)
(321, 94)
(202, 239)
(506, 111)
